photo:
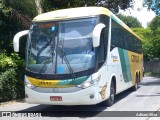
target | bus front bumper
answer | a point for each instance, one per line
(88, 96)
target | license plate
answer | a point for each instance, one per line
(55, 98)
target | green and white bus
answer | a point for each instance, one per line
(80, 56)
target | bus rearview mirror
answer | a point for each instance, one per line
(96, 34)
(16, 39)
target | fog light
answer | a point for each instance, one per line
(91, 96)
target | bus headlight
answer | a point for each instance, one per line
(28, 84)
(89, 83)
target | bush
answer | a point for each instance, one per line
(11, 77)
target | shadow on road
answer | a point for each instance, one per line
(66, 111)
(151, 81)
(123, 94)
(147, 95)
(73, 111)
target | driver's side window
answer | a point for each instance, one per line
(102, 50)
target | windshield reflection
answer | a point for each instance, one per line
(61, 47)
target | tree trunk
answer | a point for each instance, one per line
(38, 6)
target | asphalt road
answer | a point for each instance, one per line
(145, 101)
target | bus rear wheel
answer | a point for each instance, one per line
(136, 86)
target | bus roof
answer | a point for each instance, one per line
(115, 18)
(79, 12)
(71, 13)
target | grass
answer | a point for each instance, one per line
(152, 74)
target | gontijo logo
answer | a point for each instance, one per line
(135, 58)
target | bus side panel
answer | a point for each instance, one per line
(104, 82)
(117, 67)
(125, 64)
(136, 63)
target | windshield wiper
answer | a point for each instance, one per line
(68, 64)
(41, 50)
(44, 66)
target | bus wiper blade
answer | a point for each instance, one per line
(47, 61)
(68, 64)
(44, 66)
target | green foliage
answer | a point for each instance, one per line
(14, 17)
(154, 5)
(6, 62)
(11, 77)
(155, 24)
(130, 21)
(23, 6)
(113, 5)
(18, 11)
(49, 5)
(145, 35)
(152, 74)
(151, 39)
(8, 85)
(155, 27)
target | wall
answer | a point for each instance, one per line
(152, 66)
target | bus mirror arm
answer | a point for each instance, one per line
(97, 33)
(16, 39)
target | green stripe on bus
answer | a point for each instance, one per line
(115, 19)
(75, 81)
(125, 64)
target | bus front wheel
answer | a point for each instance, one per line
(109, 102)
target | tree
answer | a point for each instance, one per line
(155, 27)
(15, 15)
(155, 23)
(148, 48)
(154, 5)
(19, 10)
(38, 6)
(151, 39)
(130, 21)
(113, 5)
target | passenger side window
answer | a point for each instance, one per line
(122, 38)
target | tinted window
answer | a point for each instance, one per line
(122, 38)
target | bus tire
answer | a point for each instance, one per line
(136, 86)
(109, 102)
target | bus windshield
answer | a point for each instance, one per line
(61, 47)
